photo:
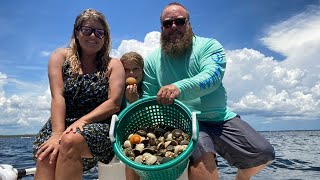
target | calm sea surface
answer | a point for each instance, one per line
(297, 156)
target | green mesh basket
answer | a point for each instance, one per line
(147, 112)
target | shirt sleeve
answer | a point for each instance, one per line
(211, 59)
(150, 85)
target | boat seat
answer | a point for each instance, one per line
(115, 170)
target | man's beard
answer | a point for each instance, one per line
(179, 46)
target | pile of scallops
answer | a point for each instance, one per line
(153, 146)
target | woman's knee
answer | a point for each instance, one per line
(70, 143)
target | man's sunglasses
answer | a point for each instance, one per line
(87, 31)
(178, 22)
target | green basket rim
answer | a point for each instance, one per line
(152, 98)
(183, 156)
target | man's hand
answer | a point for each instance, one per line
(167, 94)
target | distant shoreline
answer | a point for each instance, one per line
(21, 135)
(33, 135)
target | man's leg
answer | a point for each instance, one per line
(202, 161)
(204, 168)
(242, 146)
(131, 175)
(245, 174)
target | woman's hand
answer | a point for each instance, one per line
(49, 148)
(79, 124)
(132, 94)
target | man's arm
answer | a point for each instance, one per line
(150, 85)
(212, 63)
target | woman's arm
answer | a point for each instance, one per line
(58, 106)
(116, 90)
(50, 147)
(112, 104)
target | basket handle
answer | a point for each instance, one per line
(194, 126)
(114, 119)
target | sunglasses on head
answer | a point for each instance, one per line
(178, 22)
(87, 31)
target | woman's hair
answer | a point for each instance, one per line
(133, 56)
(75, 50)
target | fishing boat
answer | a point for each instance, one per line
(115, 170)
(8, 172)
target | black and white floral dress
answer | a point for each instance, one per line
(83, 93)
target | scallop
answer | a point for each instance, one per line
(126, 144)
(151, 159)
(176, 133)
(155, 145)
(138, 159)
(139, 147)
(142, 132)
(165, 159)
(169, 137)
(151, 136)
(131, 81)
(135, 139)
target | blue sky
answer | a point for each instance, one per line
(272, 48)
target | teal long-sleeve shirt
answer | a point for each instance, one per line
(198, 75)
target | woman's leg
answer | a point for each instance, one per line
(45, 170)
(69, 164)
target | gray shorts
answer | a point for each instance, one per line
(234, 140)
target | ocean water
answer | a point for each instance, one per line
(297, 157)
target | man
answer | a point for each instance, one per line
(190, 68)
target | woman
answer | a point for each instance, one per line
(87, 87)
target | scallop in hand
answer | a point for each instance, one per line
(131, 81)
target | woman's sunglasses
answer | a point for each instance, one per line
(178, 22)
(87, 31)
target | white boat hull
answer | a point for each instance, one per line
(115, 170)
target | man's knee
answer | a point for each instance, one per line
(204, 167)
(269, 152)
(206, 161)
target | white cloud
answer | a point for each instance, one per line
(288, 89)
(287, 77)
(315, 90)
(29, 109)
(247, 77)
(298, 38)
(3, 81)
(45, 53)
(151, 42)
